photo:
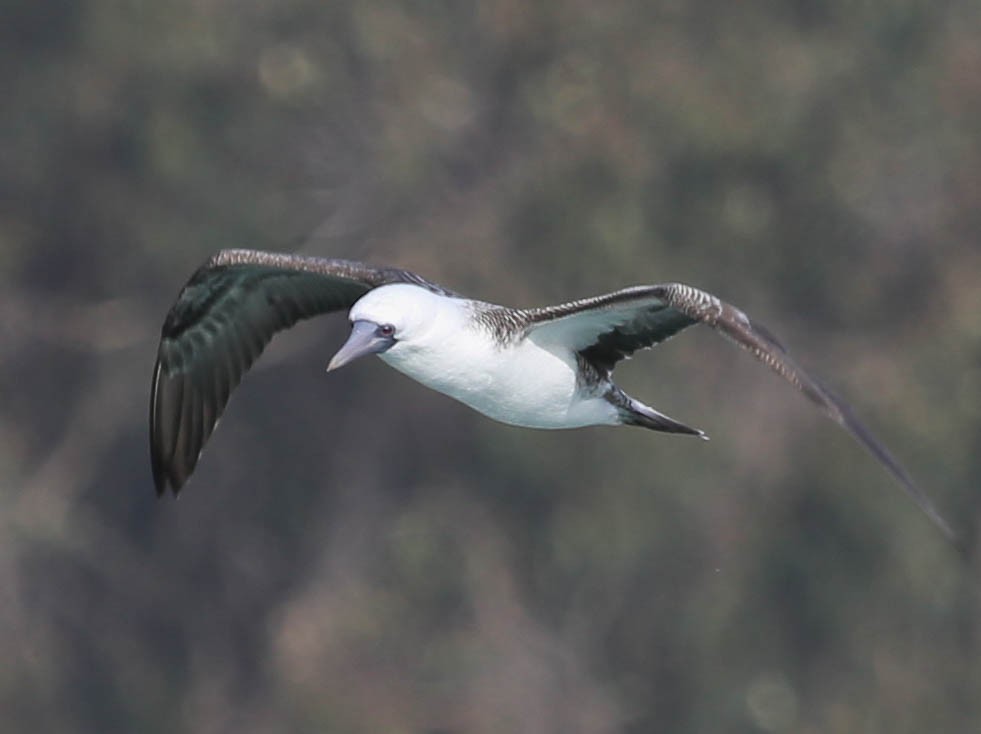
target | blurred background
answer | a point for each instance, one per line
(358, 554)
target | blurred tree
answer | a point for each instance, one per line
(381, 559)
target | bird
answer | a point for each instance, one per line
(548, 367)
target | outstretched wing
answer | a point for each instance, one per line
(607, 328)
(222, 320)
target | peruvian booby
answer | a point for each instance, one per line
(547, 367)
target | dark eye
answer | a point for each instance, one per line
(386, 330)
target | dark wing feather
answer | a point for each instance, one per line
(222, 320)
(608, 328)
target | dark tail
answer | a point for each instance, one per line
(635, 413)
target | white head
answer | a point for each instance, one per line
(391, 319)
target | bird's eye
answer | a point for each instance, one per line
(386, 330)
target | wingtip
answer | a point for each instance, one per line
(174, 491)
(161, 485)
(163, 480)
(156, 467)
(963, 544)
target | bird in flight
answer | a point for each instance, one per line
(547, 367)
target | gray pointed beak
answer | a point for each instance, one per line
(364, 340)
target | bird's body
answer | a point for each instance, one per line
(549, 367)
(523, 385)
(521, 382)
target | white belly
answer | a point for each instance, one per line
(524, 385)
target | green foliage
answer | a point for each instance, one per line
(357, 554)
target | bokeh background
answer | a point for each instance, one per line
(357, 554)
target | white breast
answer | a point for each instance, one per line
(524, 384)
